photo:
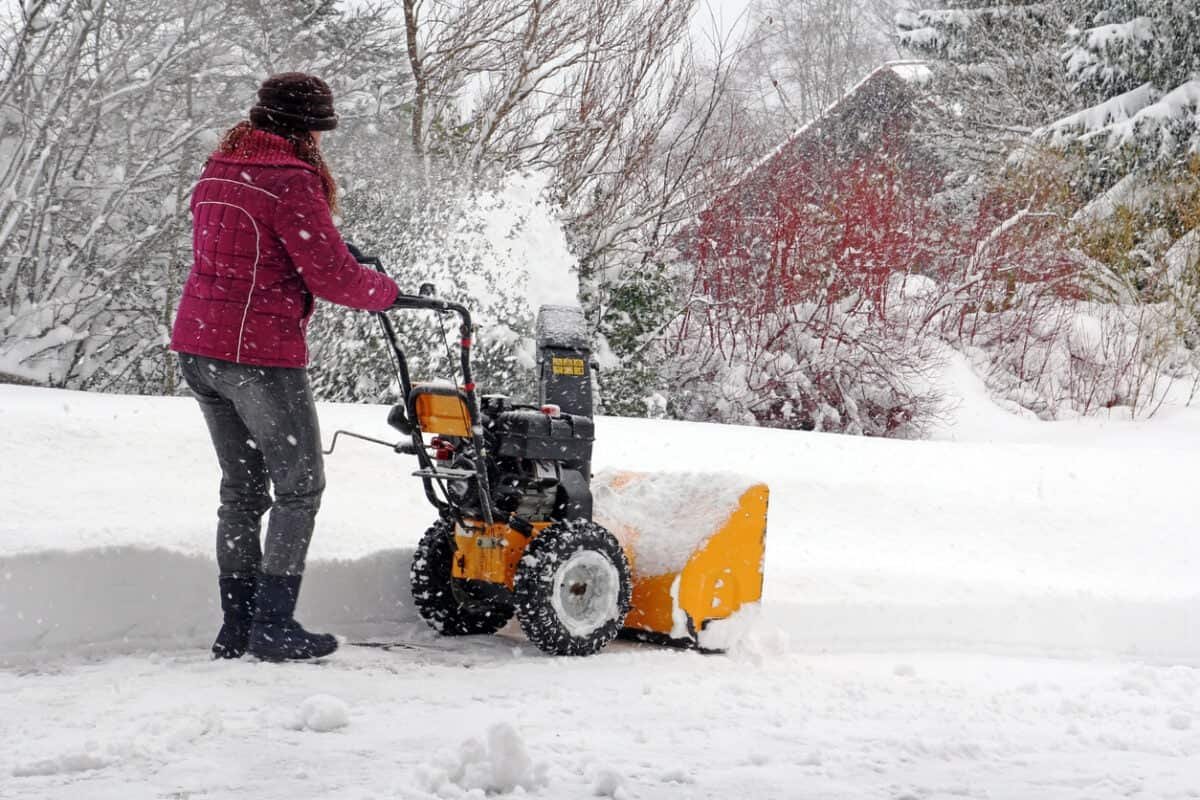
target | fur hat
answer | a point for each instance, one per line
(294, 101)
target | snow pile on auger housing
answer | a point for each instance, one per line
(662, 518)
(694, 542)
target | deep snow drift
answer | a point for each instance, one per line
(916, 594)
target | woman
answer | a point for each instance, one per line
(264, 245)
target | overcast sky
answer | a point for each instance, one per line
(726, 13)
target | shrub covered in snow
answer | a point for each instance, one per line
(826, 368)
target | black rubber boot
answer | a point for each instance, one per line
(237, 601)
(275, 634)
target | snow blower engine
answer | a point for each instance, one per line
(512, 486)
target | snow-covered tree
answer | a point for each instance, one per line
(107, 110)
(1138, 62)
(1120, 71)
(1136, 129)
(96, 114)
(996, 74)
(603, 99)
(1097, 133)
(998, 60)
(109, 107)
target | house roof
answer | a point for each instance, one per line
(854, 117)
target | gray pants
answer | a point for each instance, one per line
(263, 424)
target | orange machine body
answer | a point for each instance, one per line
(722, 575)
(490, 552)
(441, 410)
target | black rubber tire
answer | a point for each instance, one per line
(431, 593)
(535, 589)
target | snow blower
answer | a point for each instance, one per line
(518, 532)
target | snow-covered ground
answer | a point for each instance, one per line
(1011, 611)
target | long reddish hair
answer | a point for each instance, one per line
(303, 145)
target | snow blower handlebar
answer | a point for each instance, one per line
(410, 421)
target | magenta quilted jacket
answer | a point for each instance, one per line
(264, 245)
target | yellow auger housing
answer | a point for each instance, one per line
(695, 544)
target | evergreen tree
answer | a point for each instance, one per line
(1114, 151)
(1136, 63)
(998, 60)
(996, 74)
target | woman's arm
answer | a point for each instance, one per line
(305, 226)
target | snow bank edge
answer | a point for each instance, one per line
(117, 599)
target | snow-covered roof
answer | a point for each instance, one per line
(910, 72)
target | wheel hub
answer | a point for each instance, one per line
(585, 591)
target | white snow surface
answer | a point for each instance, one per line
(1183, 255)
(1143, 112)
(321, 713)
(499, 765)
(1139, 29)
(1010, 611)
(1180, 102)
(1102, 116)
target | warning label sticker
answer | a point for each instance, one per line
(566, 366)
